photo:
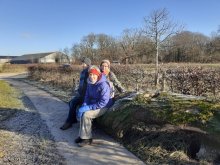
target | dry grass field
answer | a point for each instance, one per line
(13, 68)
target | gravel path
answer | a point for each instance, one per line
(33, 135)
(28, 139)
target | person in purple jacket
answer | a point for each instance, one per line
(96, 102)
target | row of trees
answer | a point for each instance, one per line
(159, 39)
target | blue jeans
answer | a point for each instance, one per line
(73, 105)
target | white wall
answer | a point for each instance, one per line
(51, 58)
(4, 60)
(48, 59)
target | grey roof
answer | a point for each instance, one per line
(31, 56)
(7, 57)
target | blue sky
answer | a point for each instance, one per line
(33, 26)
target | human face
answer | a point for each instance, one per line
(93, 77)
(84, 65)
(104, 66)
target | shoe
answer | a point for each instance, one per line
(84, 142)
(66, 126)
(78, 140)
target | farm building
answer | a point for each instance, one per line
(5, 59)
(49, 57)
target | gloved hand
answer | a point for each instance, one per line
(84, 104)
(81, 110)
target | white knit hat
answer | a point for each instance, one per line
(105, 61)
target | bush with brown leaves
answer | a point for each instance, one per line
(185, 79)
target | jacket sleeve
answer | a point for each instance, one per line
(104, 97)
(116, 82)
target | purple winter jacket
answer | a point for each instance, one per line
(98, 94)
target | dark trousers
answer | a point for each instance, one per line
(73, 105)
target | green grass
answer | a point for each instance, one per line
(9, 96)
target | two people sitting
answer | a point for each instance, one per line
(99, 86)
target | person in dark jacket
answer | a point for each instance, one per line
(96, 103)
(79, 95)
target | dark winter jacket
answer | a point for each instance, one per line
(83, 83)
(98, 94)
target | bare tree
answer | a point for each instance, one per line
(158, 27)
(135, 47)
(106, 46)
(187, 47)
(214, 46)
(76, 52)
(66, 51)
(128, 42)
(88, 46)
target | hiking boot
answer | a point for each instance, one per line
(85, 142)
(66, 126)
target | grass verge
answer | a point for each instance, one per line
(9, 100)
(9, 104)
(9, 96)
